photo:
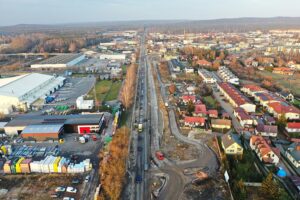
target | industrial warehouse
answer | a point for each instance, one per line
(51, 127)
(61, 61)
(21, 91)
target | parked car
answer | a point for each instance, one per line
(76, 181)
(68, 198)
(55, 195)
(60, 189)
(71, 189)
(94, 137)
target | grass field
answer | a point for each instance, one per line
(114, 91)
(106, 90)
(210, 102)
(286, 82)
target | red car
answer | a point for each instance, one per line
(159, 155)
(94, 137)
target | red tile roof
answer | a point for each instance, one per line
(187, 98)
(254, 88)
(234, 93)
(293, 125)
(213, 112)
(283, 107)
(203, 63)
(199, 120)
(200, 109)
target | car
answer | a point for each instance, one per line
(68, 198)
(55, 195)
(140, 149)
(94, 137)
(60, 189)
(138, 179)
(87, 178)
(71, 189)
(140, 138)
(76, 181)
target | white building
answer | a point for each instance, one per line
(112, 57)
(21, 91)
(62, 61)
(206, 76)
(84, 104)
(228, 76)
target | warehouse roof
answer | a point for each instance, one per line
(26, 120)
(61, 59)
(23, 85)
(45, 128)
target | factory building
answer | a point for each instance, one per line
(82, 124)
(61, 61)
(120, 57)
(21, 91)
(43, 132)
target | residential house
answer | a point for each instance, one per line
(251, 89)
(193, 122)
(283, 108)
(200, 110)
(204, 63)
(243, 117)
(188, 98)
(286, 96)
(228, 76)
(263, 150)
(206, 76)
(221, 123)
(293, 154)
(293, 127)
(212, 113)
(283, 71)
(266, 130)
(232, 144)
(235, 97)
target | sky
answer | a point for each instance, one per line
(76, 11)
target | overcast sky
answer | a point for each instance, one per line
(65, 11)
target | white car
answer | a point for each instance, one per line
(60, 189)
(87, 178)
(71, 190)
(68, 198)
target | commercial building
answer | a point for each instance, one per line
(21, 91)
(206, 76)
(61, 61)
(80, 123)
(235, 97)
(120, 57)
(42, 132)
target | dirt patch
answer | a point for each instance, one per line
(36, 187)
(209, 189)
